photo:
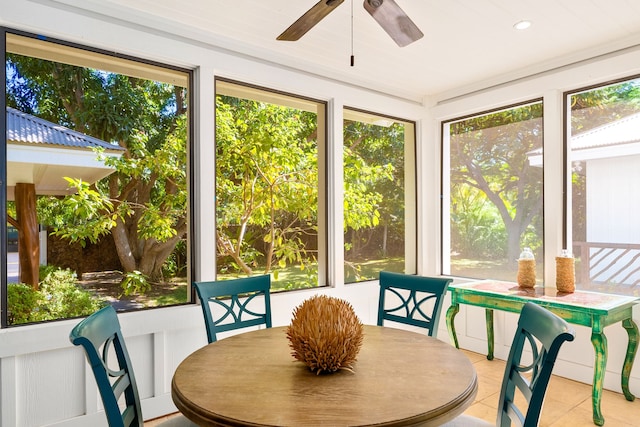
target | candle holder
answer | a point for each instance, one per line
(526, 273)
(565, 273)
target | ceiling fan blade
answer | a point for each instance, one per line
(309, 19)
(394, 21)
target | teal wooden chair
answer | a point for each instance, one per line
(412, 300)
(101, 338)
(543, 333)
(234, 304)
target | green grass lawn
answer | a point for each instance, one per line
(295, 278)
(287, 279)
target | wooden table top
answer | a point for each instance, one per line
(401, 378)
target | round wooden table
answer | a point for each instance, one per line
(401, 378)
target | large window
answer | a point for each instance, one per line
(492, 192)
(269, 169)
(603, 148)
(379, 195)
(95, 200)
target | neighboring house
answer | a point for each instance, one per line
(39, 155)
(611, 160)
(42, 153)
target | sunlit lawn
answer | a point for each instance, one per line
(473, 268)
(295, 278)
(288, 279)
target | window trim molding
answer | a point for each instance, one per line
(445, 161)
(412, 228)
(300, 102)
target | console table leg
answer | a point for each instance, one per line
(451, 327)
(488, 314)
(632, 347)
(599, 341)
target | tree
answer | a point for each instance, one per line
(600, 106)
(143, 203)
(266, 184)
(373, 158)
(490, 153)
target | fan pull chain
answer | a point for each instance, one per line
(353, 58)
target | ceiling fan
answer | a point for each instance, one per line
(386, 12)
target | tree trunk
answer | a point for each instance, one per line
(154, 255)
(513, 243)
(225, 247)
(119, 233)
(385, 234)
(28, 238)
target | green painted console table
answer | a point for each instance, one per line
(591, 309)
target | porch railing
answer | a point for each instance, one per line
(607, 263)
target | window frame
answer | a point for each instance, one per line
(567, 187)
(445, 198)
(244, 90)
(412, 225)
(165, 73)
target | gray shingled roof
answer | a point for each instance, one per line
(27, 129)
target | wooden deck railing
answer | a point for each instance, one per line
(610, 263)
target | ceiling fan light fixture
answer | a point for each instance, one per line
(522, 25)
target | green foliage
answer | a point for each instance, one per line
(266, 184)
(45, 270)
(22, 303)
(58, 297)
(176, 263)
(135, 282)
(596, 107)
(143, 204)
(64, 299)
(477, 230)
(490, 163)
(84, 215)
(374, 205)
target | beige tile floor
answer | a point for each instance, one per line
(567, 404)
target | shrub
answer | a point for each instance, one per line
(22, 303)
(135, 282)
(58, 297)
(64, 299)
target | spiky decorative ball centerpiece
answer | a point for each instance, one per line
(325, 334)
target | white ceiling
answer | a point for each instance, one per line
(466, 43)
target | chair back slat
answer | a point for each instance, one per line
(234, 304)
(120, 386)
(411, 300)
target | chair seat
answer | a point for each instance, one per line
(468, 421)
